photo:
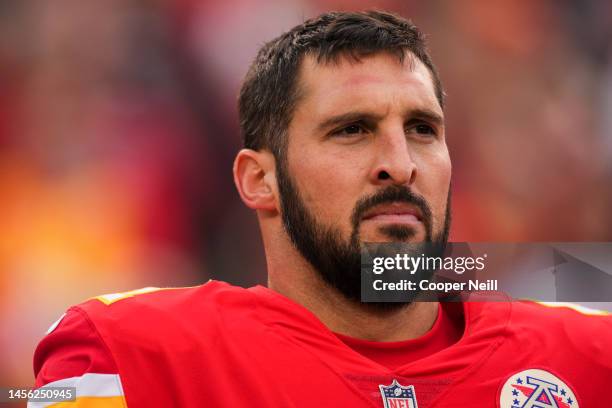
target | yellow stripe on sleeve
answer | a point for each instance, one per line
(92, 402)
(92, 390)
(111, 298)
(114, 297)
(578, 308)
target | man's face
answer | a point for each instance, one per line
(366, 162)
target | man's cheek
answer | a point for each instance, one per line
(323, 204)
(440, 212)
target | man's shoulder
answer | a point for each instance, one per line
(101, 336)
(159, 297)
(153, 315)
(546, 334)
(559, 313)
(561, 323)
(153, 306)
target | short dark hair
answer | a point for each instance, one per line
(269, 93)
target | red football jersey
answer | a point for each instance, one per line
(218, 345)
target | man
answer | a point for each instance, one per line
(343, 124)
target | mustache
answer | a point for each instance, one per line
(392, 194)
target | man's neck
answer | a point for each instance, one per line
(292, 276)
(355, 319)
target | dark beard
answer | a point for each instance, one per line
(339, 262)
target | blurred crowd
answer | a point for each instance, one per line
(118, 128)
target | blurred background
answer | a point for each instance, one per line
(118, 128)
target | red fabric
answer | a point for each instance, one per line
(221, 346)
(446, 331)
(72, 349)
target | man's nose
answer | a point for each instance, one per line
(394, 163)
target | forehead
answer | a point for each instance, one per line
(373, 82)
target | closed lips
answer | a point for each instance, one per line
(397, 212)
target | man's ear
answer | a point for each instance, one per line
(255, 179)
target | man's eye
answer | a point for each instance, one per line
(353, 129)
(424, 129)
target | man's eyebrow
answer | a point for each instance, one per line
(427, 115)
(348, 117)
(355, 116)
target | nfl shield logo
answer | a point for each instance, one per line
(398, 396)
